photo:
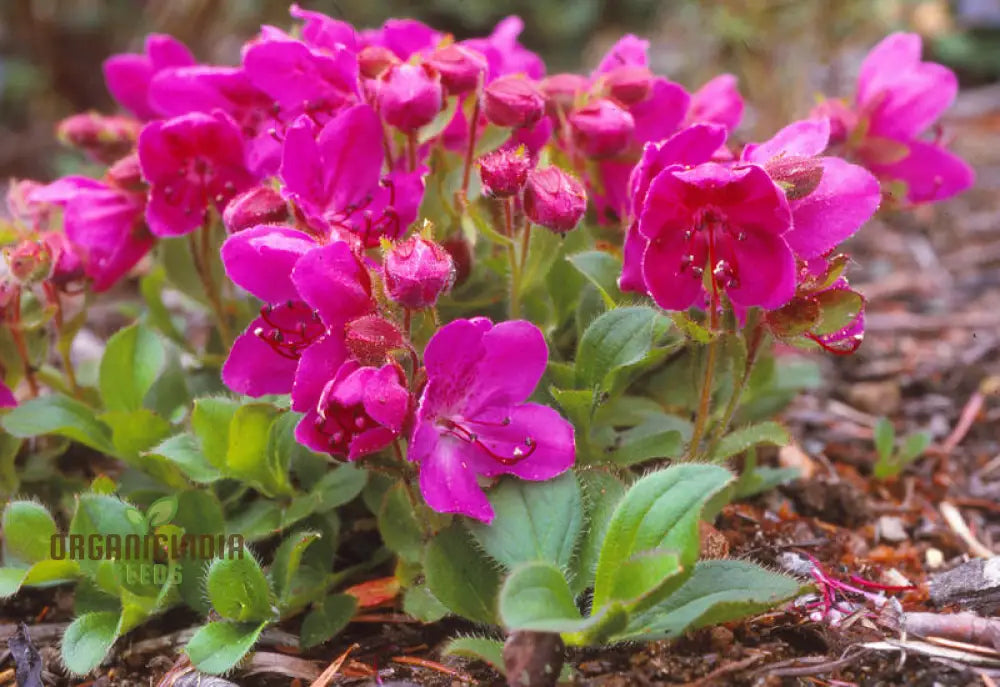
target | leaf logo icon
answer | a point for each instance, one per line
(135, 517)
(161, 511)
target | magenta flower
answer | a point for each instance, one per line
(601, 128)
(688, 147)
(321, 31)
(505, 54)
(417, 272)
(7, 398)
(359, 411)
(409, 96)
(897, 100)
(461, 68)
(335, 178)
(128, 75)
(404, 37)
(717, 102)
(192, 163)
(257, 205)
(104, 224)
(310, 292)
(472, 418)
(838, 197)
(728, 221)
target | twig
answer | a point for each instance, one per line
(968, 628)
(432, 665)
(953, 517)
(724, 670)
(965, 421)
(331, 671)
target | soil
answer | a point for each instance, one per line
(930, 361)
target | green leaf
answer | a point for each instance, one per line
(210, 421)
(398, 525)
(248, 456)
(183, 451)
(217, 647)
(49, 572)
(132, 361)
(135, 431)
(339, 486)
(27, 532)
(646, 441)
(617, 338)
(602, 270)
(660, 511)
(759, 480)
(740, 440)
(693, 330)
(460, 576)
(601, 493)
(643, 574)
(87, 641)
(419, 603)
(478, 648)
(161, 511)
(535, 521)
(578, 404)
(837, 309)
(151, 286)
(885, 438)
(718, 591)
(103, 515)
(440, 122)
(61, 415)
(536, 596)
(9, 480)
(327, 619)
(285, 565)
(914, 445)
(11, 580)
(238, 589)
(491, 138)
(198, 513)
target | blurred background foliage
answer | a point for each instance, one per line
(783, 51)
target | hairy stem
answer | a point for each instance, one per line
(63, 343)
(515, 266)
(17, 334)
(202, 256)
(754, 338)
(470, 150)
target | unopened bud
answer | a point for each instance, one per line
(371, 338)
(258, 205)
(105, 138)
(797, 176)
(410, 96)
(562, 90)
(126, 174)
(29, 261)
(554, 199)
(460, 68)
(373, 60)
(417, 272)
(513, 101)
(629, 85)
(504, 171)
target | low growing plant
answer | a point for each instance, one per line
(355, 273)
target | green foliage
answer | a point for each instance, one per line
(132, 361)
(891, 461)
(460, 576)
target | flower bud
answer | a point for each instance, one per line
(373, 60)
(554, 199)
(796, 175)
(417, 272)
(29, 261)
(602, 128)
(126, 174)
(629, 85)
(562, 90)
(67, 265)
(460, 68)
(257, 205)
(105, 138)
(410, 96)
(371, 338)
(513, 101)
(504, 171)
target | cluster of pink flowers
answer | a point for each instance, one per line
(315, 153)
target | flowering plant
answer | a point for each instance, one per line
(389, 266)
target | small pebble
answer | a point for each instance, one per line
(934, 559)
(891, 529)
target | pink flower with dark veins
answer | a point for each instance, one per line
(728, 221)
(193, 163)
(473, 419)
(359, 411)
